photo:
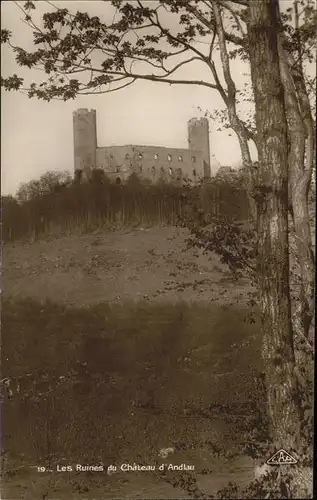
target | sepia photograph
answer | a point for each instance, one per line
(158, 228)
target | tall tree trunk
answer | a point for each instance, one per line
(301, 152)
(284, 396)
(273, 254)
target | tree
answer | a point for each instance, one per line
(51, 181)
(273, 248)
(301, 139)
(134, 180)
(11, 217)
(82, 54)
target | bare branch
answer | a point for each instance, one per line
(223, 53)
(212, 45)
(168, 73)
(218, 83)
(111, 90)
(136, 76)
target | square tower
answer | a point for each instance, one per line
(198, 140)
(85, 140)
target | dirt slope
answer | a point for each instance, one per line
(136, 264)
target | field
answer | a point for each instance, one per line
(118, 345)
(142, 264)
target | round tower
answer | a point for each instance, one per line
(198, 140)
(85, 141)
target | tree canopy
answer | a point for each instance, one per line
(159, 41)
(87, 54)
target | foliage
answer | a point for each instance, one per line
(134, 180)
(69, 44)
(56, 207)
(230, 235)
(232, 241)
(50, 182)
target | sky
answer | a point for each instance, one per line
(37, 136)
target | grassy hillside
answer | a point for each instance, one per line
(115, 384)
(145, 263)
(117, 345)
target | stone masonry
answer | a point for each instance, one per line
(150, 163)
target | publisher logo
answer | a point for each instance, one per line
(281, 457)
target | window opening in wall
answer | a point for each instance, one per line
(194, 159)
(140, 167)
(111, 157)
(169, 157)
(117, 169)
(180, 158)
(170, 171)
(140, 155)
(156, 156)
(179, 174)
(153, 170)
(127, 156)
(194, 172)
(118, 180)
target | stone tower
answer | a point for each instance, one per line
(85, 141)
(198, 140)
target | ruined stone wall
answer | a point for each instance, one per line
(151, 162)
(148, 162)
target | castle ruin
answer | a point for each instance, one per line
(151, 163)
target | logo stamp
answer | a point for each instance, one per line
(281, 457)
